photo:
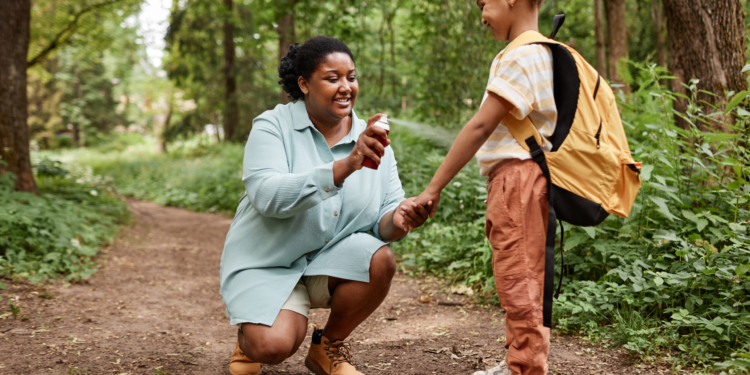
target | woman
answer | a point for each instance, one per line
(301, 236)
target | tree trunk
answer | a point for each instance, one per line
(286, 38)
(706, 41)
(601, 49)
(231, 107)
(76, 135)
(165, 128)
(617, 35)
(657, 11)
(14, 131)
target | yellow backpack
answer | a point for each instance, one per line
(590, 167)
(590, 171)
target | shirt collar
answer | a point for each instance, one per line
(302, 121)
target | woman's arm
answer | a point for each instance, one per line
(270, 188)
(275, 192)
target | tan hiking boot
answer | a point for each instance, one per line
(328, 357)
(241, 365)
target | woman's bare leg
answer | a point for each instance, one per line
(272, 345)
(353, 301)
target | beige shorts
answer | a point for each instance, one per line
(310, 292)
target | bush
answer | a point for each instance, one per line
(196, 177)
(60, 230)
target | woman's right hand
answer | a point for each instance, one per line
(367, 146)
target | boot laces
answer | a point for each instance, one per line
(338, 353)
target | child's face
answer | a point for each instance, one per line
(497, 15)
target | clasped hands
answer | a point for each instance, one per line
(413, 212)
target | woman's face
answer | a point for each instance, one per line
(332, 88)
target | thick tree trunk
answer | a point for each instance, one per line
(14, 132)
(601, 49)
(706, 41)
(286, 38)
(657, 11)
(617, 35)
(231, 107)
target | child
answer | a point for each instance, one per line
(520, 85)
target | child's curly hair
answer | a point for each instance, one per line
(303, 60)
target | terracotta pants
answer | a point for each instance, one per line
(517, 217)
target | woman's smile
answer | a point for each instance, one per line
(343, 102)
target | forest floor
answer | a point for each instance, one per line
(154, 308)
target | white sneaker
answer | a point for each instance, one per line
(501, 369)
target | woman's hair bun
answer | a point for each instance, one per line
(303, 60)
(288, 75)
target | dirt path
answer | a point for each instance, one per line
(154, 308)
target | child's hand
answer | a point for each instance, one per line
(429, 199)
(410, 215)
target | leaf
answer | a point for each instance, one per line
(742, 270)
(646, 172)
(746, 68)
(575, 240)
(735, 101)
(2, 286)
(737, 227)
(701, 224)
(663, 209)
(658, 281)
(721, 137)
(666, 235)
(591, 231)
(690, 215)
(742, 112)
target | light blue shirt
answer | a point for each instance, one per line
(293, 221)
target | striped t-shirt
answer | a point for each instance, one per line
(523, 77)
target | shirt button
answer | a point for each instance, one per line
(326, 240)
(328, 190)
(336, 213)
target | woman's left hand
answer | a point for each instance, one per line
(409, 215)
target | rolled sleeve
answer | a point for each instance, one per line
(511, 82)
(394, 196)
(501, 87)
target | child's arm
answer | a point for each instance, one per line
(468, 142)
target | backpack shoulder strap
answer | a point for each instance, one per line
(529, 37)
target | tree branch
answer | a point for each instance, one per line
(67, 30)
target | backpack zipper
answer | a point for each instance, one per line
(636, 170)
(598, 134)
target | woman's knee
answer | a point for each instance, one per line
(383, 264)
(268, 347)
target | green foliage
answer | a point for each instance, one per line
(60, 230)
(14, 310)
(98, 60)
(195, 176)
(739, 364)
